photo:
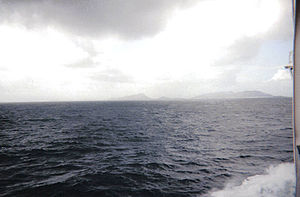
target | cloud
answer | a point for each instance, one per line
(130, 19)
(283, 29)
(83, 63)
(87, 46)
(281, 75)
(245, 48)
(71, 38)
(240, 51)
(112, 76)
(192, 85)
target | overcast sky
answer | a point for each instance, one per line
(100, 49)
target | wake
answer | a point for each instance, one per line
(278, 181)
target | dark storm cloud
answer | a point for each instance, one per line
(129, 19)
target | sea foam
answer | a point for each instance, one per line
(278, 181)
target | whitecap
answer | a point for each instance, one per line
(278, 181)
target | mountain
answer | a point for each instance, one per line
(163, 98)
(232, 95)
(217, 95)
(135, 97)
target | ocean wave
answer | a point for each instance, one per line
(278, 181)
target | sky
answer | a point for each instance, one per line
(102, 49)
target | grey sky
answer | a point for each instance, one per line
(94, 50)
(130, 19)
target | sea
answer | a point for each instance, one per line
(209, 148)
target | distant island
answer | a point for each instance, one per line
(233, 95)
(217, 95)
(163, 98)
(135, 97)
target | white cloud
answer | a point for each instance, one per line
(282, 74)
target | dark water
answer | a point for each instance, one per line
(182, 148)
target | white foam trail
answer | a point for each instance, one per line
(279, 181)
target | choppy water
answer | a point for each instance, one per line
(155, 148)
